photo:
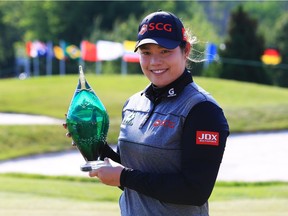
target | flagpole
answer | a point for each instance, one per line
(98, 67)
(27, 67)
(62, 61)
(81, 60)
(124, 68)
(36, 65)
(49, 59)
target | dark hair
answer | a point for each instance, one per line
(182, 45)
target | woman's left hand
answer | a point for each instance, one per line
(110, 174)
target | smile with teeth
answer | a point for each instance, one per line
(158, 71)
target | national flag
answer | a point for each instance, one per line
(73, 51)
(88, 51)
(49, 57)
(28, 48)
(271, 57)
(129, 54)
(107, 50)
(59, 52)
(211, 52)
(36, 49)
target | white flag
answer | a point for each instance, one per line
(107, 50)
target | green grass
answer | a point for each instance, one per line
(24, 140)
(75, 188)
(50, 195)
(16, 204)
(254, 190)
(51, 96)
(248, 107)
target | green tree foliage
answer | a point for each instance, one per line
(67, 20)
(267, 13)
(56, 21)
(218, 13)
(281, 29)
(243, 47)
(6, 48)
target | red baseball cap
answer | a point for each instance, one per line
(162, 28)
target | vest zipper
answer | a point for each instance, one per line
(157, 100)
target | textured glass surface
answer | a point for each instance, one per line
(87, 120)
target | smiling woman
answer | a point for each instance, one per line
(173, 133)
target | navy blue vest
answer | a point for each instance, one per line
(149, 141)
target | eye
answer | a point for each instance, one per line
(165, 51)
(144, 52)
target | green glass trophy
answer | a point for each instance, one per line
(87, 122)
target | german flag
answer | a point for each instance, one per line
(271, 57)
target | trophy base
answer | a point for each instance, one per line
(92, 165)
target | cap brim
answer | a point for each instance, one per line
(166, 43)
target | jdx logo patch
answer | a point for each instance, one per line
(207, 138)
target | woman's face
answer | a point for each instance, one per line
(160, 65)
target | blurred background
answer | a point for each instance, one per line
(241, 40)
(243, 45)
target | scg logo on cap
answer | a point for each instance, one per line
(155, 26)
(160, 27)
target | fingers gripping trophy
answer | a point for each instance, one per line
(87, 122)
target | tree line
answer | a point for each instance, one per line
(244, 29)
